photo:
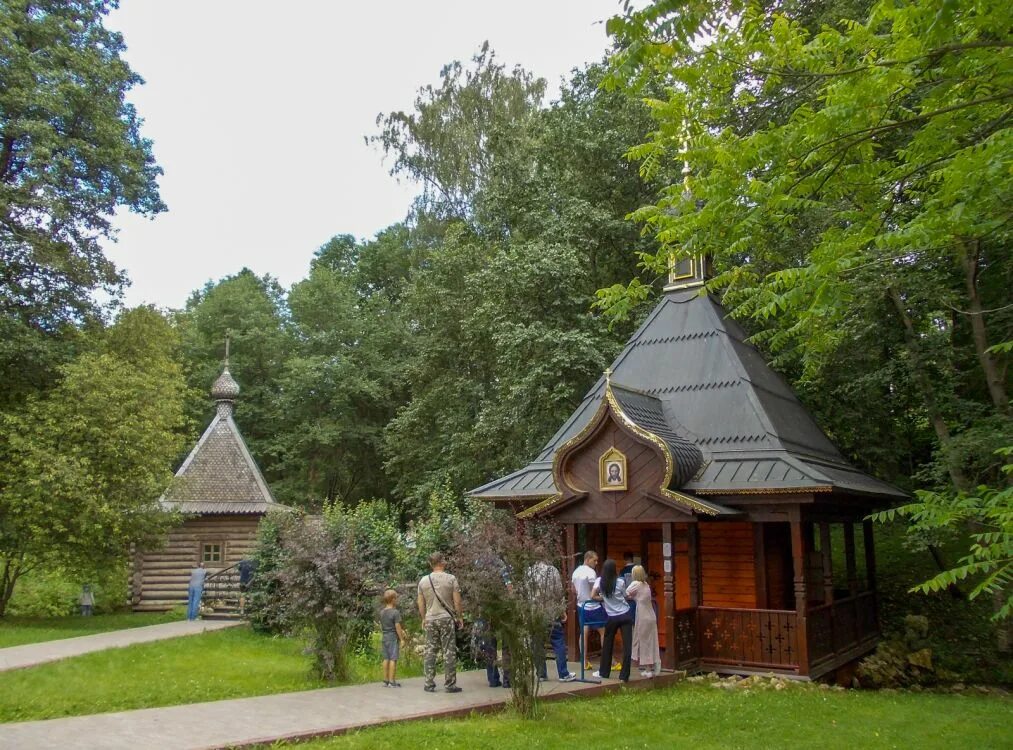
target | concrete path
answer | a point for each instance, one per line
(270, 718)
(18, 657)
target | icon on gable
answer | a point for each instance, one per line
(612, 471)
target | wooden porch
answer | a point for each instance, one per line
(721, 590)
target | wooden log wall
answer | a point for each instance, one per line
(727, 564)
(161, 578)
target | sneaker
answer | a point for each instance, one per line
(568, 677)
(617, 666)
(543, 678)
(597, 674)
(430, 688)
(386, 683)
(395, 684)
(453, 689)
(587, 665)
(648, 674)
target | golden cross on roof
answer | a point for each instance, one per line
(608, 374)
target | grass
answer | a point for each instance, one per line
(17, 631)
(232, 663)
(704, 718)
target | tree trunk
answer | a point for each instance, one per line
(924, 383)
(12, 572)
(970, 257)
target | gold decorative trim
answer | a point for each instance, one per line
(540, 506)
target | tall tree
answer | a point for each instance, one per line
(886, 165)
(71, 152)
(85, 464)
(338, 387)
(251, 310)
(451, 140)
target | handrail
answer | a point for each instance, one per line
(749, 609)
(217, 573)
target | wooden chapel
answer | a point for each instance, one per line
(222, 495)
(692, 453)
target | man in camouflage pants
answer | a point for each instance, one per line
(439, 603)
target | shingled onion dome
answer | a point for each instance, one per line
(224, 392)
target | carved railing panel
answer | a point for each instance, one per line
(687, 637)
(820, 630)
(748, 637)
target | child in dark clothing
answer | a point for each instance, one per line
(392, 635)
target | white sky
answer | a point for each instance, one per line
(258, 111)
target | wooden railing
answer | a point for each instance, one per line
(836, 629)
(221, 590)
(751, 638)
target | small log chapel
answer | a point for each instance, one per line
(692, 453)
(222, 495)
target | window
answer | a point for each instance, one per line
(212, 553)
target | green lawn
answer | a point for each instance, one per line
(704, 718)
(17, 631)
(232, 663)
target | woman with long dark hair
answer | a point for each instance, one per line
(610, 589)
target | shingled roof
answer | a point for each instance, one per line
(700, 383)
(220, 476)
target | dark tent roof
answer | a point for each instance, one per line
(712, 390)
(220, 476)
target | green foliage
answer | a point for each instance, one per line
(322, 578)
(849, 175)
(84, 465)
(71, 152)
(52, 593)
(497, 562)
(458, 131)
(988, 512)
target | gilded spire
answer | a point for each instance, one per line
(686, 272)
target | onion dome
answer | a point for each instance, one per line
(224, 391)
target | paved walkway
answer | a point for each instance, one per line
(17, 657)
(270, 718)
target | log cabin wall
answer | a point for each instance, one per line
(160, 578)
(727, 564)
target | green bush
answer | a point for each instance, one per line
(54, 593)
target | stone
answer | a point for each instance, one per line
(921, 659)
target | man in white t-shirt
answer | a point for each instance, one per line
(593, 615)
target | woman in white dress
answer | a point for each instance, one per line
(646, 651)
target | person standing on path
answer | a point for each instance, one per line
(392, 635)
(86, 600)
(439, 603)
(646, 649)
(611, 591)
(546, 588)
(196, 590)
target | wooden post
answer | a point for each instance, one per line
(870, 564)
(798, 558)
(760, 565)
(693, 554)
(670, 658)
(828, 563)
(849, 554)
(569, 565)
